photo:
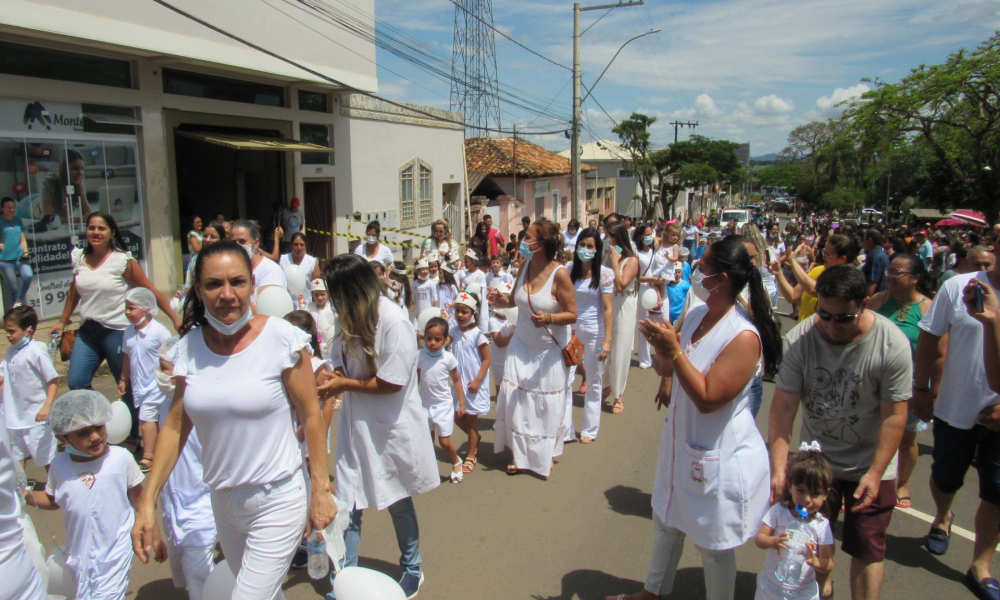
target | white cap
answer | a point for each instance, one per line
(433, 257)
(468, 300)
(318, 285)
(505, 288)
(474, 288)
(395, 285)
(470, 253)
(422, 264)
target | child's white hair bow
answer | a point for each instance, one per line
(810, 447)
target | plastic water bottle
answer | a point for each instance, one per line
(319, 562)
(54, 346)
(789, 569)
(600, 368)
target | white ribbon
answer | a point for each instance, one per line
(807, 447)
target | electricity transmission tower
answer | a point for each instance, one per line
(474, 88)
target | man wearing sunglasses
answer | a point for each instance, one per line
(851, 370)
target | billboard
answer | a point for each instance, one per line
(57, 174)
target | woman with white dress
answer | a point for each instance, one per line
(532, 402)
(384, 451)
(595, 286)
(643, 241)
(298, 257)
(373, 249)
(625, 265)
(238, 378)
(711, 484)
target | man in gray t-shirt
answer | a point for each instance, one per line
(851, 370)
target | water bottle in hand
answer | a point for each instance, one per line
(789, 569)
(319, 562)
(54, 346)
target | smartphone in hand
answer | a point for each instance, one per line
(977, 298)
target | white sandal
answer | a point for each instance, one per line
(457, 477)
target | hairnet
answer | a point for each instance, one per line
(143, 298)
(166, 347)
(78, 409)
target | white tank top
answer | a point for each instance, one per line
(541, 301)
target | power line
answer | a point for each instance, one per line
(490, 25)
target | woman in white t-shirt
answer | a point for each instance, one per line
(266, 272)
(384, 451)
(298, 257)
(373, 249)
(691, 233)
(440, 242)
(238, 377)
(102, 272)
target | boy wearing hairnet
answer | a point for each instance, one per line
(141, 346)
(98, 486)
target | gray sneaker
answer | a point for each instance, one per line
(411, 584)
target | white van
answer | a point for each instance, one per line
(735, 214)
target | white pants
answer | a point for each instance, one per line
(592, 400)
(570, 430)
(719, 566)
(260, 527)
(190, 567)
(20, 580)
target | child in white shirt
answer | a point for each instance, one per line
(434, 266)
(447, 290)
(808, 480)
(98, 486)
(437, 370)
(188, 520)
(498, 274)
(322, 313)
(141, 346)
(501, 332)
(29, 382)
(472, 350)
(424, 291)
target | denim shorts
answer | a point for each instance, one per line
(954, 450)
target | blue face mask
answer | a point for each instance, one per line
(438, 353)
(648, 240)
(76, 452)
(24, 342)
(618, 249)
(585, 254)
(525, 250)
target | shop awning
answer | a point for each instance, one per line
(238, 141)
(113, 119)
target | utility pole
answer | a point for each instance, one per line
(575, 137)
(678, 125)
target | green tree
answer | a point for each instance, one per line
(954, 109)
(636, 140)
(693, 162)
(780, 175)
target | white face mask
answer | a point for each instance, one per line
(229, 328)
(697, 280)
(391, 294)
(248, 248)
(371, 239)
(422, 277)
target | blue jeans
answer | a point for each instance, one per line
(690, 245)
(404, 519)
(9, 271)
(756, 394)
(95, 344)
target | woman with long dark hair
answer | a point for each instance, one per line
(64, 194)
(595, 286)
(384, 451)
(103, 271)
(240, 377)
(711, 483)
(643, 241)
(904, 303)
(625, 265)
(480, 240)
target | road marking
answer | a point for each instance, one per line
(955, 529)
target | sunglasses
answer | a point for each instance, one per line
(841, 319)
(898, 273)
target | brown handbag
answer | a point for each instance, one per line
(573, 352)
(66, 344)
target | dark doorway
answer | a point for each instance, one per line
(214, 179)
(320, 217)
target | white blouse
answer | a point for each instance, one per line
(240, 407)
(102, 289)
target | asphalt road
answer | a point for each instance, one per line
(585, 533)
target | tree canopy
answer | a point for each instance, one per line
(693, 162)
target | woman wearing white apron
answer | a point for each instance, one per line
(595, 286)
(384, 451)
(711, 483)
(532, 400)
(643, 241)
(626, 268)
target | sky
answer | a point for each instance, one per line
(745, 70)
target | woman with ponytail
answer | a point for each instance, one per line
(711, 483)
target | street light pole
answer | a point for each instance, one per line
(574, 152)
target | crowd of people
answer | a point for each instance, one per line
(898, 330)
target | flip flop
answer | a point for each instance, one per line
(901, 499)
(984, 589)
(469, 465)
(937, 539)
(618, 407)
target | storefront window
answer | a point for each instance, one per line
(315, 134)
(186, 83)
(315, 101)
(31, 61)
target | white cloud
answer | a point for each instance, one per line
(704, 105)
(773, 105)
(829, 104)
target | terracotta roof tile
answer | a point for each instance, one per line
(495, 156)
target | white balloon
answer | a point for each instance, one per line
(120, 424)
(426, 315)
(359, 583)
(649, 299)
(220, 583)
(274, 302)
(296, 279)
(512, 314)
(62, 582)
